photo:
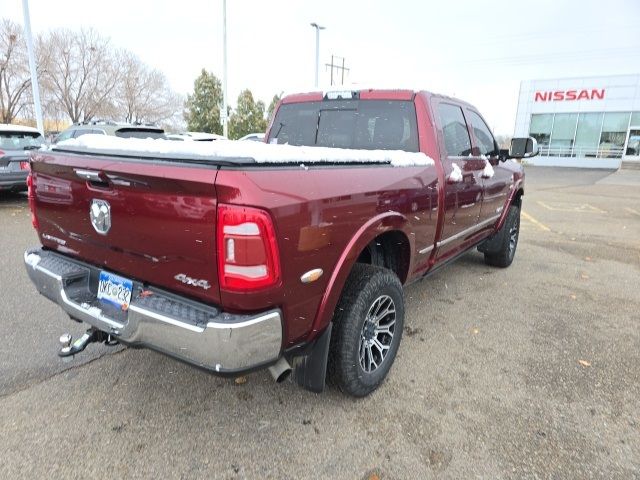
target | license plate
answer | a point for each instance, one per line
(114, 290)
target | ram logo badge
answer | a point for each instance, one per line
(100, 215)
(181, 277)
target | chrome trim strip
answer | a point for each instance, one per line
(426, 249)
(468, 231)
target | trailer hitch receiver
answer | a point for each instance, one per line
(70, 347)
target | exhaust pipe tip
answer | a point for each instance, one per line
(280, 370)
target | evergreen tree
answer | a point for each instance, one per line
(203, 107)
(248, 116)
(272, 106)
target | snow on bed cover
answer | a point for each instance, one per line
(260, 152)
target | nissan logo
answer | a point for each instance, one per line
(100, 215)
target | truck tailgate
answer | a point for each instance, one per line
(154, 221)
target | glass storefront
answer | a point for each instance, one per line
(601, 135)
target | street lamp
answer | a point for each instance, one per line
(223, 114)
(318, 28)
(32, 66)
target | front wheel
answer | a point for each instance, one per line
(501, 249)
(367, 330)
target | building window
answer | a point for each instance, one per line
(614, 134)
(563, 133)
(540, 128)
(588, 135)
(635, 119)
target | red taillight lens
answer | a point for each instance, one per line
(248, 257)
(32, 199)
(24, 166)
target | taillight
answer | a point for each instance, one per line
(248, 257)
(32, 199)
(24, 166)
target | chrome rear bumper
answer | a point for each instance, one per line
(196, 333)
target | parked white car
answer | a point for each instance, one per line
(255, 137)
(195, 136)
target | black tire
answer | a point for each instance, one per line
(365, 286)
(505, 241)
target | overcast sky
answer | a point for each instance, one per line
(475, 50)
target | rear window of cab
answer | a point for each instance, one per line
(361, 124)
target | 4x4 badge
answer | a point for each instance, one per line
(202, 283)
(100, 215)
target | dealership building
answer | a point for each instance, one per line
(591, 122)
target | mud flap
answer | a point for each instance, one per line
(310, 371)
(493, 243)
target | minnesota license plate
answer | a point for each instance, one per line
(114, 290)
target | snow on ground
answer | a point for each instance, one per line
(221, 149)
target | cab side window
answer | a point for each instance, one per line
(483, 135)
(454, 128)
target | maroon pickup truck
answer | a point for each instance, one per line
(288, 255)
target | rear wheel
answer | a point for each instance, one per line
(505, 242)
(367, 330)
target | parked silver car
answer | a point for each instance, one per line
(107, 127)
(15, 143)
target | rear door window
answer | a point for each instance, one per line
(361, 124)
(454, 129)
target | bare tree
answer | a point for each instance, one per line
(14, 71)
(80, 73)
(144, 94)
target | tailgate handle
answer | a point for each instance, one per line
(97, 179)
(90, 175)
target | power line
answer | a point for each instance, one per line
(340, 68)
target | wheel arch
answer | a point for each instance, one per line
(386, 229)
(515, 198)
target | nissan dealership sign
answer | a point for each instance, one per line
(568, 95)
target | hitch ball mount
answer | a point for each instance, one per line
(70, 347)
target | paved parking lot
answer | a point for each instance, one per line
(528, 372)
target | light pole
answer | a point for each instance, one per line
(32, 66)
(223, 114)
(318, 28)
